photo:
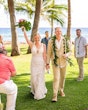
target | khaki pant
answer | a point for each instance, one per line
(80, 64)
(59, 79)
(9, 88)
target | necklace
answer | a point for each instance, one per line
(78, 44)
(54, 50)
(37, 48)
(65, 47)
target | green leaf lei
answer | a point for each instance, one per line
(66, 49)
(54, 50)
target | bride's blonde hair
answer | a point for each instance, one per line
(36, 34)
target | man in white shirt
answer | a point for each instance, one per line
(80, 52)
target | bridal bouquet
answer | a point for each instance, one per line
(25, 23)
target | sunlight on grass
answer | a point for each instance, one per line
(76, 92)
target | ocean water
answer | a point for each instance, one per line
(6, 33)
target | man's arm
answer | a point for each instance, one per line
(85, 46)
(86, 51)
(68, 53)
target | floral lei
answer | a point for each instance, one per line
(54, 50)
(66, 49)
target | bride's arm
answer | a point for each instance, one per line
(44, 53)
(26, 37)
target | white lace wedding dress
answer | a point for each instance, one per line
(38, 87)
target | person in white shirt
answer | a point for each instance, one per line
(80, 52)
(57, 54)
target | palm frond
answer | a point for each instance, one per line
(24, 7)
(47, 4)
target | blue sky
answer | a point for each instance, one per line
(79, 15)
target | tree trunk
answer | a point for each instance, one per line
(52, 22)
(52, 27)
(69, 20)
(36, 20)
(15, 49)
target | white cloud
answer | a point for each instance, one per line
(79, 14)
(4, 18)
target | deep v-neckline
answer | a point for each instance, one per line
(38, 48)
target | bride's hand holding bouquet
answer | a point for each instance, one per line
(23, 28)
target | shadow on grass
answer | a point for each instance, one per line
(23, 74)
(23, 50)
(76, 95)
(9, 50)
(85, 63)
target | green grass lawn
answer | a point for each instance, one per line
(76, 92)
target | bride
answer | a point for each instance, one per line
(38, 61)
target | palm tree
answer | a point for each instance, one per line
(31, 7)
(49, 11)
(36, 20)
(1, 1)
(45, 6)
(52, 12)
(15, 50)
(26, 7)
(52, 20)
(69, 19)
